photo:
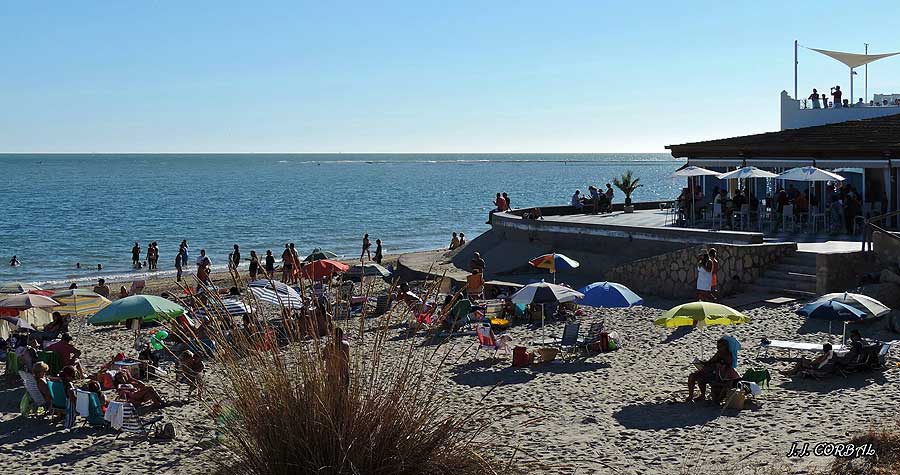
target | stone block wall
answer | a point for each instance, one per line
(840, 271)
(674, 274)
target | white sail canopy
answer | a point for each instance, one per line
(853, 60)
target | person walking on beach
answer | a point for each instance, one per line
(136, 255)
(270, 264)
(378, 253)
(454, 241)
(287, 264)
(365, 249)
(254, 265)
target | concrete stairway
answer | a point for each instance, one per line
(794, 276)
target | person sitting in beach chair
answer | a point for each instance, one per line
(716, 370)
(458, 316)
(822, 365)
(134, 391)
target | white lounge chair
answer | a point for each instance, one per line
(765, 345)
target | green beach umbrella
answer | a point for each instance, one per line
(145, 307)
(79, 301)
(318, 254)
(707, 313)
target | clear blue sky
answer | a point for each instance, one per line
(416, 76)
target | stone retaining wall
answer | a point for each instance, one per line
(674, 274)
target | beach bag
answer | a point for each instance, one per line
(735, 399)
(520, 357)
(615, 341)
(26, 405)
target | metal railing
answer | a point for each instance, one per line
(871, 227)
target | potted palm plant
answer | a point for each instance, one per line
(628, 183)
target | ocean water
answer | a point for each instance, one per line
(61, 209)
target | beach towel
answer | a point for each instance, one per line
(733, 347)
(82, 403)
(115, 414)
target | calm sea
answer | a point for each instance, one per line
(63, 209)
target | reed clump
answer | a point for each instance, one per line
(885, 442)
(290, 404)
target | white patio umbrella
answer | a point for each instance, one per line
(746, 173)
(809, 174)
(692, 171)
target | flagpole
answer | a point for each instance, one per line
(795, 70)
(867, 75)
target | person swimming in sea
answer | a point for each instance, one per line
(14, 262)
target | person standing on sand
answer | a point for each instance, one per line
(454, 242)
(365, 249)
(295, 258)
(378, 253)
(202, 261)
(270, 264)
(254, 265)
(235, 257)
(287, 264)
(136, 255)
(704, 278)
(179, 261)
(714, 261)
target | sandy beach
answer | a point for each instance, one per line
(617, 412)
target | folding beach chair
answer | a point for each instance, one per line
(137, 287)
(131, 421)
(569, 340)
(593, 334)
(32, 391)
(488, 341)
(87, 405)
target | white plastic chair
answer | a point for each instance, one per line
(744, 216)
(717, 215)
(787, 214)
(815, 216)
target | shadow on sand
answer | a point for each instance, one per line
(835, 382)
(479, 373)
(665, 415)
(679, 333)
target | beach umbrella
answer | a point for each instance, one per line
(609, 295)
(554, 262)
(809, 174)
(228, 306)
(137, 307)
(26, 301)
(17, 287)
(319, 254)
(872, 307)
(79, 302)
(540, 293)
(17, 323)
(692, 171)
(322, 268)
(744, 173)
(368, 270)
(832, 311)
(276, 293)
(704, 313)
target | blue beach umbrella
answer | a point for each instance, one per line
(609, 295)
(832, 311)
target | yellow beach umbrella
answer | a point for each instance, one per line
(693, 313)
(79, 302)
